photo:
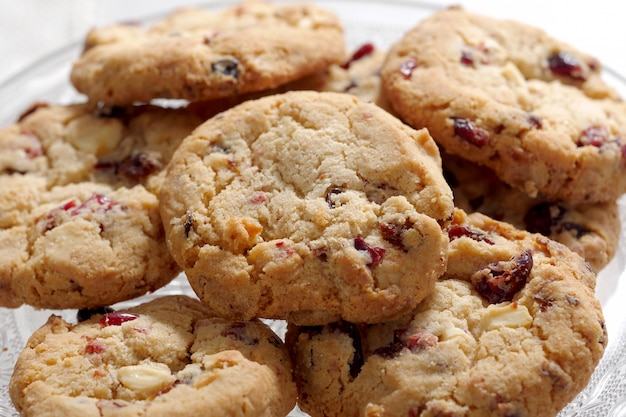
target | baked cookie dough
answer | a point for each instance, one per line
(512, 329)
(510, 97)
(310, 207)
(197, 54)
(591, 230)
(167, 357)
(79, 213)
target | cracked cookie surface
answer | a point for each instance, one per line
(166, 357)
(197, 54)
(512, 329)
(308, 206)
(510, 97)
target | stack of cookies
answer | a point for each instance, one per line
(427, 221)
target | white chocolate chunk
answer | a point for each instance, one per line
(146, 377)
(94, 135)
(506, 315)
(450, 331)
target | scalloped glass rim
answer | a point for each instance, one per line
(380, 22)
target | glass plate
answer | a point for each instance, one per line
(380, 22)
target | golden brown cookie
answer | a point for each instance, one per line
(308, 206)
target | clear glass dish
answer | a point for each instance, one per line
(377, 21)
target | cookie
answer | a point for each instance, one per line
(310, 207)
(512, 329)
(508, 96)
(197, 54)
(591, 230)
(79, 211)
(167, 357)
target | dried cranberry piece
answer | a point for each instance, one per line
(393, 233)
(407, 68)
(138, 166)
(469, 132)
(456, 231)
(329, 196)
(500, 281)
(376, 253)
(534, 121)
(467, 59)
(594, 136)
(116, 318)
(541, 218)
(407, 338)
(364, 50)
(94, 347)
(564, 64)
(228, 67)
(86, 313)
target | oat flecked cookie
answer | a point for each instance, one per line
(512, 329)
(79, 212)
(591, 230)
(508, 96)
(198, 54)
(310, 207)
(167, 357)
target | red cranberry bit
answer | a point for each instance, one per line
(500, 281)
(467, 59)
(459, 230)
(138, 166)
(376, 253)
(94, 347)
(534, 121)
(469, 132)
(364, 50)
(414, 340)
(564, 64)
(407, 68)
(594, 136)
(393, 233)
(258, 197)
(116, 318)
(94, 203)
(333, 191)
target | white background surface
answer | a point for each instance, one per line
(30, 29)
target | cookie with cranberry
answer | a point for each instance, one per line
(167, 357)
(512, 329)
(591, 230)
(198, 54)
(79, 215)
(508, 96)
(308, 206)
(84, 245)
